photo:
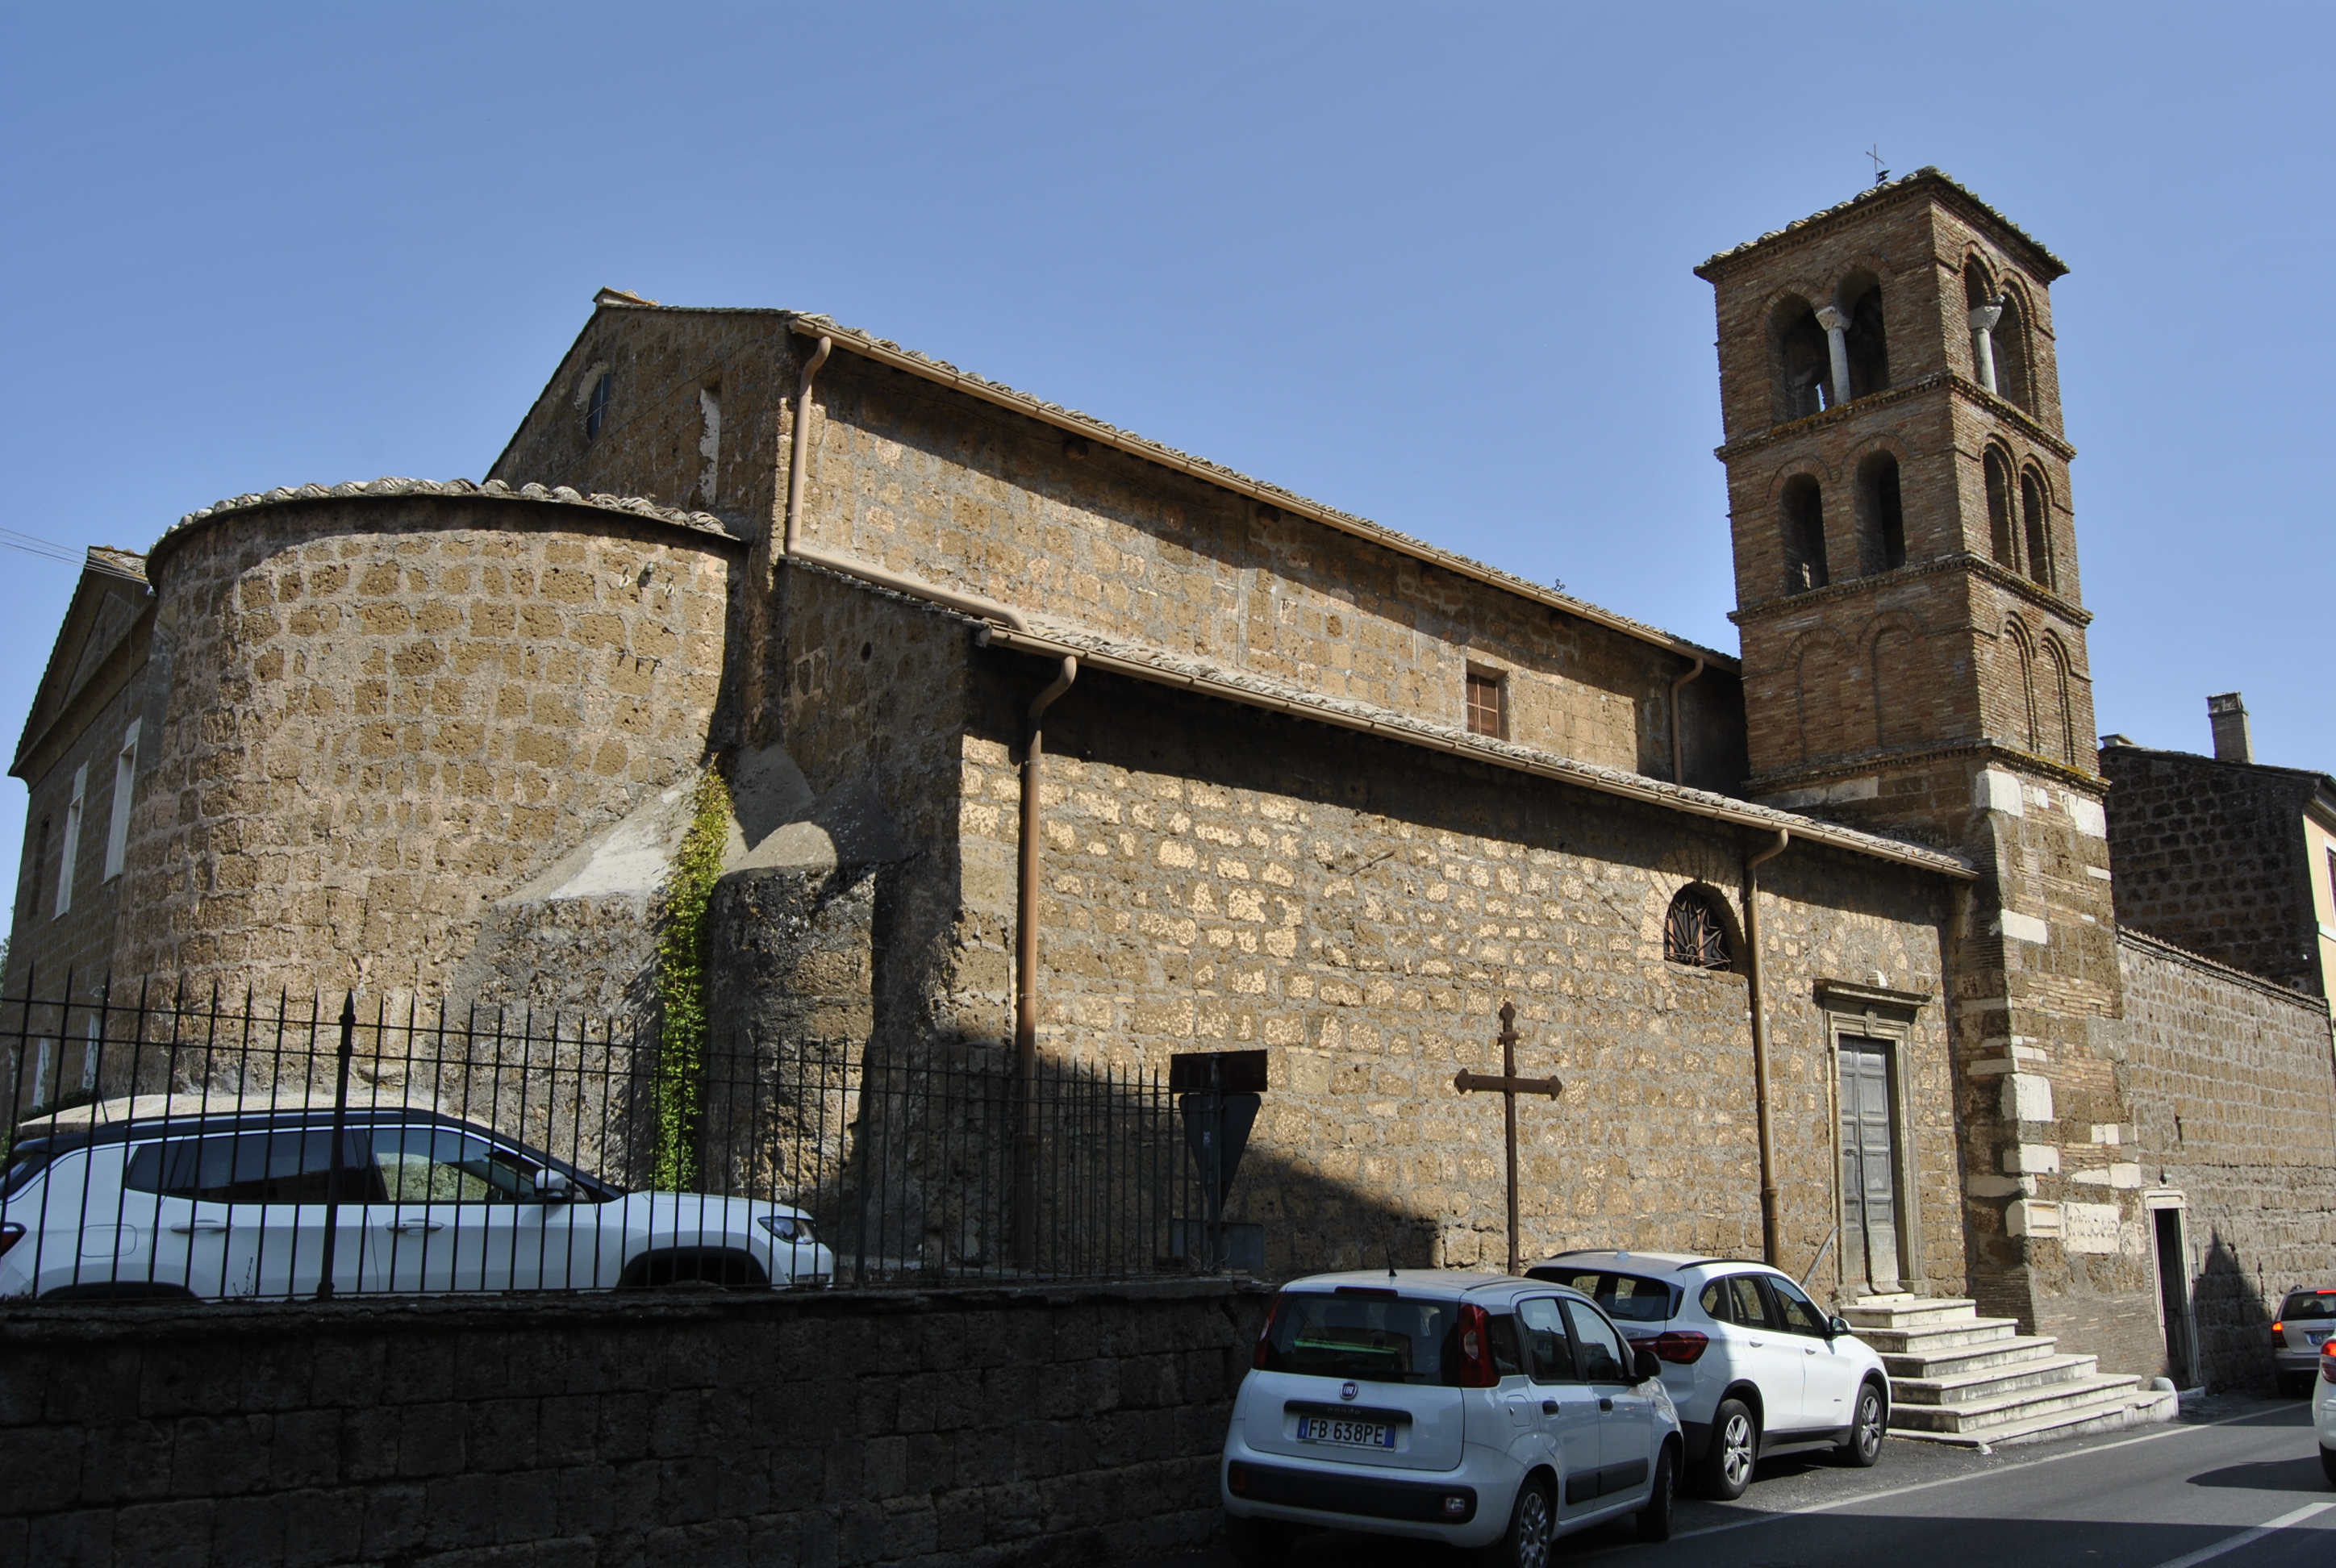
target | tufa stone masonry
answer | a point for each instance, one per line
(1315, 786)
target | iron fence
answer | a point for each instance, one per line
(250, 1150)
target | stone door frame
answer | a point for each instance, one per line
(2154, 1199)
(1876, 1013)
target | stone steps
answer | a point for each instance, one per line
(1940, 1337)
(1958, 1357)
(1958, 1377)
(1907, 1312)
(1982, 1418)
(1971, 1389)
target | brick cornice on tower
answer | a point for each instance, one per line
(1960, 385)
(1980, 753)
(2004, 577)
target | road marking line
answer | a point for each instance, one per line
(2167, 1431)
(2248, 1537)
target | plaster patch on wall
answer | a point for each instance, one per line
(709, 443)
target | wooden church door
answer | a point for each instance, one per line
(1869, 1164)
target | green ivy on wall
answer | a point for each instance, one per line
(681, 984)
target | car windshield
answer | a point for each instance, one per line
(2308, 1304)
(1626, 1298)
(1370, 1335)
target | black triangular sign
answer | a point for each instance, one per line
(1239, 1116)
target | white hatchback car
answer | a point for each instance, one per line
(1753, 1368)
(1473, 1409)
(239, 1205)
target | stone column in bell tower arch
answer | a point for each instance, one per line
(1836, 331)
(1983, 318)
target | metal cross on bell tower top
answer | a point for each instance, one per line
(1510, 1086)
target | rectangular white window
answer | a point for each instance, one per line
(89, 1055)
(73, 839)
(125, 776)
(41, 1072)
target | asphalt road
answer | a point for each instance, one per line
(2168, 1496)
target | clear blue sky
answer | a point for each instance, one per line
(1429, 263)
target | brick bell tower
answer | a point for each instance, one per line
(1913, 647)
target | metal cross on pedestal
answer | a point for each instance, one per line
(1510, 1086)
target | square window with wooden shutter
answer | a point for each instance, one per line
(1486, 703)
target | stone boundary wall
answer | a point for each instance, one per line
(2211, 857)
(2234, 1096)
(963, 1426)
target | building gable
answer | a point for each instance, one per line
(98, 648)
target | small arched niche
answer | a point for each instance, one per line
(1866, 338)
(2035, 525)
(1881, 514)
(1804, 537)
(1697, 931)
(1804, 363)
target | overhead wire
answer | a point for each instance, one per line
(48, 548)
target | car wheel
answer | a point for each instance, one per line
(2328, 1465)
(1655, 1518)
(1257, 1542)
(1532, 1525)
(1864, 1446)
(1735, 1445)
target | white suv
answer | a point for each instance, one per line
(1473, 1409)
(239, 1203)
(1752, 1364)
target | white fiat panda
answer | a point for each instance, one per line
(1473, 1409)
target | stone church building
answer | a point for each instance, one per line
(1036, 727)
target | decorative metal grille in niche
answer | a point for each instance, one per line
(1694, 933)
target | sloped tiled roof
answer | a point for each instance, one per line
(883, 350)
(493, 489)
(1926, 175)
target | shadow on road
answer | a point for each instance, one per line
(2301, 1474)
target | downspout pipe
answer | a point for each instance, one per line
(1678, 757)
(1771, 1238)
(1026, 967)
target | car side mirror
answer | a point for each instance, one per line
(1646, 1364)
(1836, 1328)
(551, 1187)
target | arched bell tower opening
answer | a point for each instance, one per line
(1803, 360)
(1881, 513)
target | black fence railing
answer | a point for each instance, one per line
(281, 1151)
